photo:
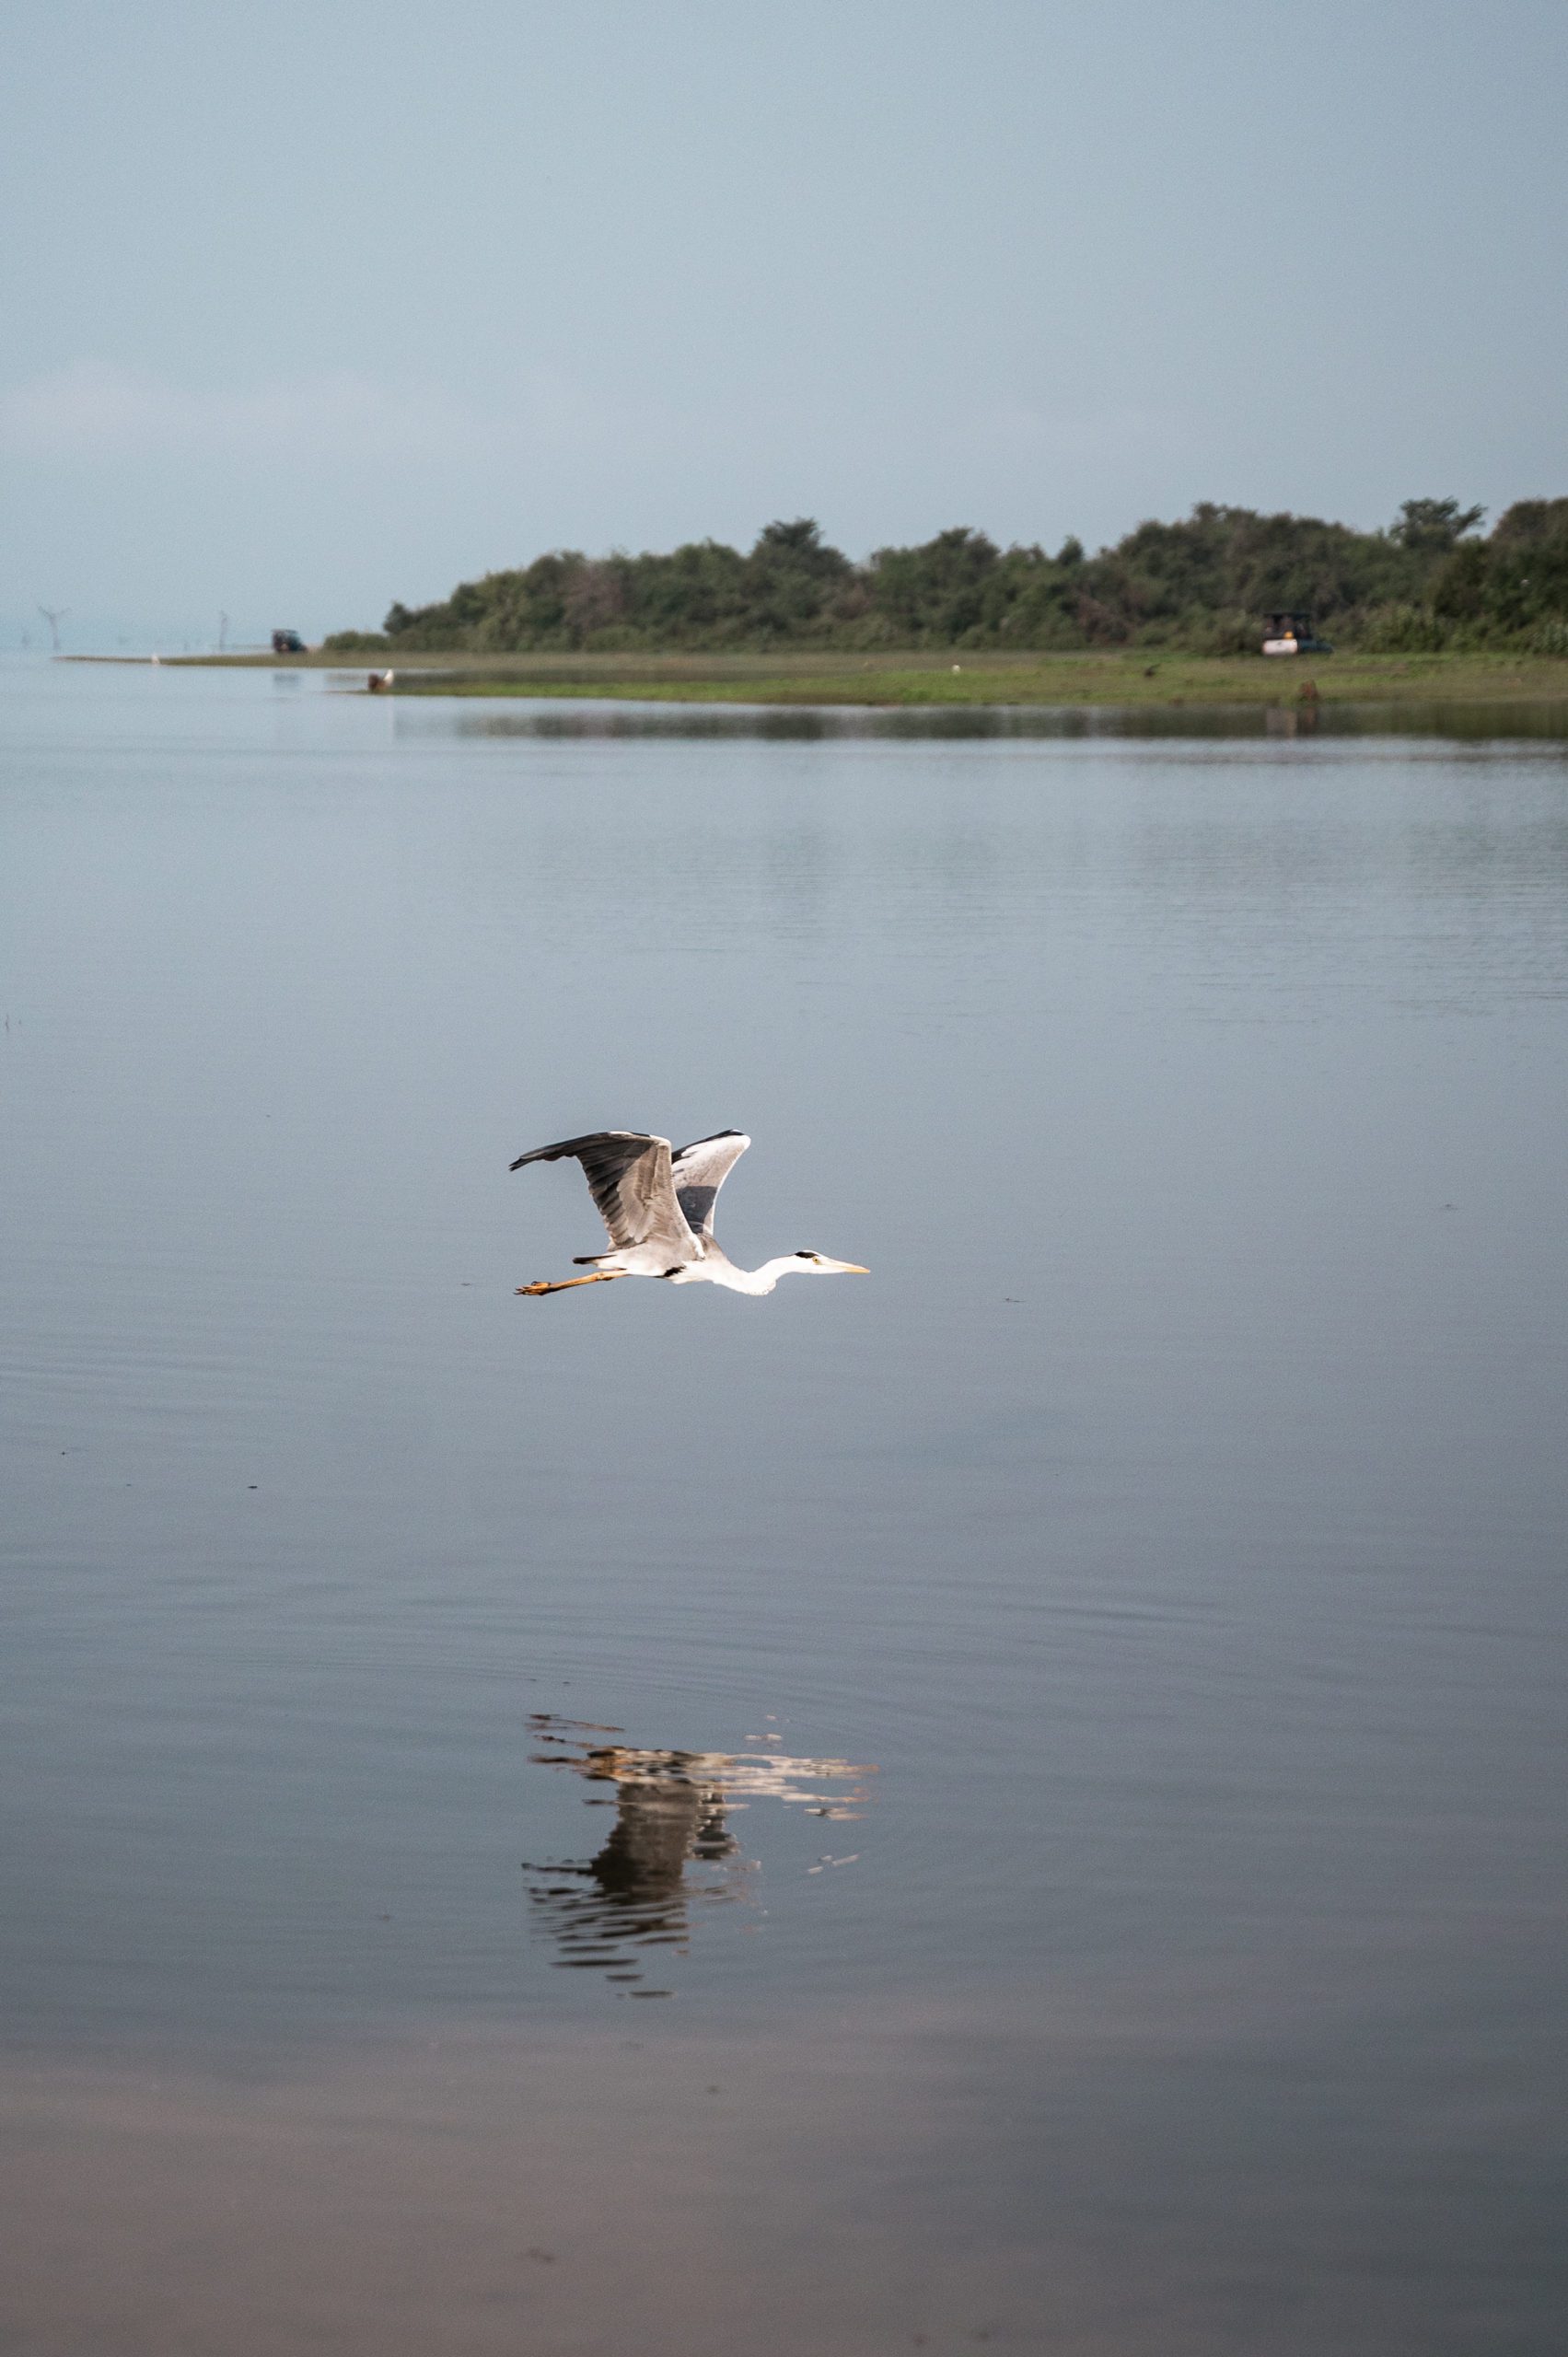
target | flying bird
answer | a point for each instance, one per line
(658, 1207)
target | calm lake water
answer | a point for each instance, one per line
(1118, 1906)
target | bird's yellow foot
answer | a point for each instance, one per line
(565, 1284)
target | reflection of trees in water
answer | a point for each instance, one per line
(1451, 720)
(605, 1911)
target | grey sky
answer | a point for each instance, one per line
(310, 307)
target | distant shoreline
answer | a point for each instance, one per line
(1141, 677)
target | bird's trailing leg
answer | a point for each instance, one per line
(565, 1284)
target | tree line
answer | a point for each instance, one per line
(1431, 580)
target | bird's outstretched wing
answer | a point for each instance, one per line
(700, 1171)
(628, 1174)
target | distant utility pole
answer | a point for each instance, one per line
(55, 616)
(223, 633)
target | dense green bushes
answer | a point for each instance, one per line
(1430, 581)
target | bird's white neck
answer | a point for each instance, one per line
(755, 1281)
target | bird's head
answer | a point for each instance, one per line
(817, 1264)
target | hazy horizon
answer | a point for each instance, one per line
(307, 315)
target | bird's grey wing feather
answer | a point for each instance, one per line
(628, 1176)
(700, 1171)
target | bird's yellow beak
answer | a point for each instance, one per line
(853, 1269)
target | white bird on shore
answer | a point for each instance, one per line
(658, 1207)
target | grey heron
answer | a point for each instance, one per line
(658, 1207)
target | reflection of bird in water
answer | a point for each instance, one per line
(658, 1207)
(669, 1816)
(634, 1893)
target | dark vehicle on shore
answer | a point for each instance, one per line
(288, 642)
